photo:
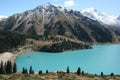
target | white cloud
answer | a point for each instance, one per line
(69, 3)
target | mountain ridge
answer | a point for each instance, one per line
(49, 19)
(103, 18)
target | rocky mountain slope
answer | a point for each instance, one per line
(49, 19)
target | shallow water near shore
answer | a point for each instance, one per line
(102, 58)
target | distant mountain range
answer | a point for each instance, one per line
(101, 17)
(86, 25)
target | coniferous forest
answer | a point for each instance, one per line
(10, 40)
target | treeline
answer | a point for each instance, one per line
(64, 46)
(8, 68)
(78, 71)
(31, 71)
(10, 40)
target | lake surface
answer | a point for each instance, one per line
(102, 58)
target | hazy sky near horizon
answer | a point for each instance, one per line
(10, 7)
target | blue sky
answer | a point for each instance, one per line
(9, 7)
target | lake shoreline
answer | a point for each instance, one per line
(106, 43)
(83, 56)
(27, 49)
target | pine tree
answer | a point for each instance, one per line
(30, 70)
(79, 71)
(68, 71)
(23, 70)
(101, 74)
(1, 67)
(5, 67)
(47, 71)
(26, 71)
(112, 74)
(14, 68)
(40, 72)
(82, 72)
(9, 67)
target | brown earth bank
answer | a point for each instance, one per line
(58, 76)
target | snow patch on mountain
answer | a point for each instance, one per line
(2, 17)
(101, 17)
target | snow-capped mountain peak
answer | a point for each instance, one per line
(91, 13)
(46, 10)
(103, 18)
(44, 6)
(51, 7)
(2, 17)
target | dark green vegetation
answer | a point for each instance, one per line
(59, 75)
(8, 68)
(8, 71)
(79, 71)
(68, 70)
(40, 72)
(10, 40)
(63, 46)
(31, 71)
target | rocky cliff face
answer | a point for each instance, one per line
(49, 19)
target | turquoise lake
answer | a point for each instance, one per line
(102, 58)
